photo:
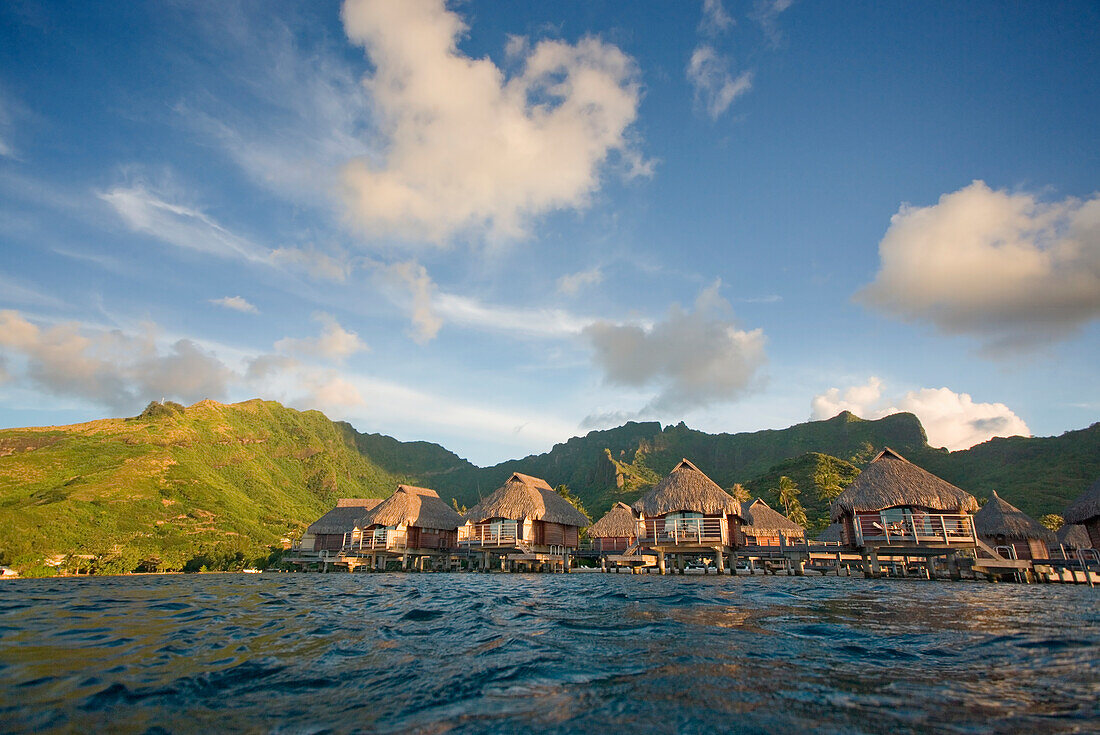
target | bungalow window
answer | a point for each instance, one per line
(684, 522)
(503, 529)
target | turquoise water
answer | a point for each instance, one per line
(443, 653)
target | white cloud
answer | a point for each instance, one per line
(715, 87)
(1002, 266)
(414, 279)
(469, 150)
(952, 420)
(316, 263)
(327, 391)
(237, 303)
(573, 282)
(715, 18)
(111, 368)
(334, 342)
(183, 226)
(474, 314)
(694, 357)
(766, 13)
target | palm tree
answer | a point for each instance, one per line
(739, 493)
(788, 494)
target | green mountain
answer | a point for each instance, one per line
(208, 485)
(219, 485)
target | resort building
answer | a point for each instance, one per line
(523, 521)
(616, 531)
(413, 523)
(328, 532)
(1086, 511)
(687, 514)
(1012, 532)
(1073, 536)
(894, 502)
(766, 527)
(833, 534)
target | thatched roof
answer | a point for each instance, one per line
(999, 517)
(761, 520)
(523, 496)
(1085, 507)
(687, 488)
(341, 519)
(1074, 536)
(619, 522)
(834, 533)
(416, 506)
(891, 480)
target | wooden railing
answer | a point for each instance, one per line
(683, 531)
(489, 534)
(391, 539)
(915, 528)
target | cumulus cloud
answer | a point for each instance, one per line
(237, 303)
(1001, 266)
(695, 358)
(573, 282)
(334, 342)
(148, 212)
(110, 367)
(952, 420)
(327, 391)
(715, 87)
(317, 263)
(469, 149)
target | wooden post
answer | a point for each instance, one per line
(565, 562)
(661, 562)
(719, 560)
(733, 563)
(876, 568)
(752, 566)
(680, 563)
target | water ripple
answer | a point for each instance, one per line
(462, 653)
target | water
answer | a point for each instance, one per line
(458, 653)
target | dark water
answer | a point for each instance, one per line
(550, 653)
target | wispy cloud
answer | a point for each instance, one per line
(573, 282)
(236, 303)
(715, 87)
(710, 72)
(186, 227)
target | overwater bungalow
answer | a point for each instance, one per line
(766, 527)
(686, 514)
(833, 534)
(896, 504)
(1011, 531)
(329, 532)
(525, 521)
(1086, 512)
(413, 523)
(616, 531)
(1073, 536)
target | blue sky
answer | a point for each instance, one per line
(498, 225)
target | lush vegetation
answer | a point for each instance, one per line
(215, 487)
(210, 486)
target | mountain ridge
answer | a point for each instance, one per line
(219, 484)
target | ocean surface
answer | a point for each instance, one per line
(594, 653)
